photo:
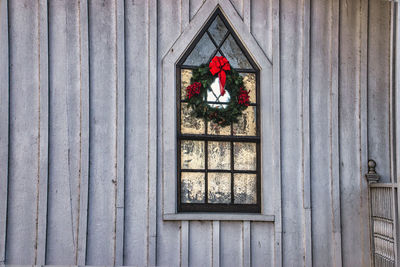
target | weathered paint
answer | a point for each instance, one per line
(86, 112)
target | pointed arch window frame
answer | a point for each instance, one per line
(232, 139)
(269, 121)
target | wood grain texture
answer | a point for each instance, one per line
(153, 134)
(261, 24)
(106, 145)
(137, 154)
(43, 134)
(291, 77)
(84, 134)
(378, 87)
(324, 131)
(25, 149)
(184, 244)
(200, 243)
(231, 244)
(396, 106)
(246, 243)
(64, 132)
(194, 6)
(238, 4)
(306, 143)
(120, 128)
(262, 244)
(216, 243)
(276, 87)
(4, 124)
(168, 240)
(352, 183)
(103, 180)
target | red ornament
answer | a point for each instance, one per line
(219, 65)
(243, 97)
(193, 89)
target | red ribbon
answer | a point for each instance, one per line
(219, 65)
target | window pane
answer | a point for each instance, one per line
(190, 124)
(245, 188)
(214, 96)
(216, 129)
(192, 154)
(219, 187)
(219, 155)
(192, 184)
(234, 54)
(249, 80)
(201, 53)
(186, 75)
(247, 123)
(245, 156)
(217, 30)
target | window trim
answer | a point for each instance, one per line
(269, 125)
(218, 207)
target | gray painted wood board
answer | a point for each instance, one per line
(81, 133)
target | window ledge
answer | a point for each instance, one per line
(218, 217)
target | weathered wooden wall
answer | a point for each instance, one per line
(80, 140)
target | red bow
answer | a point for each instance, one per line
(219, 65)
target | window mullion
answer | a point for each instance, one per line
(206, 164)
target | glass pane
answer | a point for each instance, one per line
(214, 96)
(219, 155)
(245, 156)
(234, 54)
(245, 188)
(246, 123)
(192, 154)
(249, 80)
(219, 187)
(217, 30)
(190, 124)
(192, 187)
(215, 128)
(186, 75)
(201, 53)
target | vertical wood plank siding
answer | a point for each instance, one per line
(4, 105)
(64, 132)
(103, 156)
(326, 241)
(81, 146)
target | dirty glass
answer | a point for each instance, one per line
(192, 187)
(245, 188)
(186, 75)
(245, 155)
(201, 53)
(219, 155)
(190, 124)
(217, 30)
(249, 81)
(192, 154)
(219, 187)
(215, 129)
(247, 123)
(234, 54)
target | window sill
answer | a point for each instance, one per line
(218, 217)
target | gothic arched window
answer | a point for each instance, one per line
(218, 167)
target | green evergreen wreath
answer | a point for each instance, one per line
(223, 113)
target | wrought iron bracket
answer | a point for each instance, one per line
(372, 176)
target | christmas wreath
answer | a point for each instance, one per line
(217, 92)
